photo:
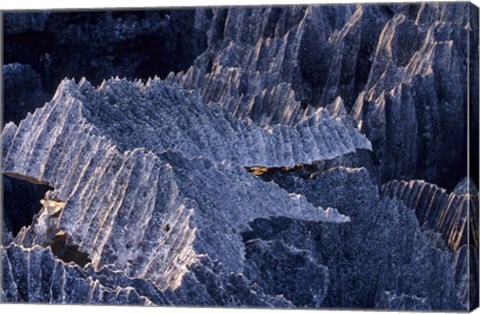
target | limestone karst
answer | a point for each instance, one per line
(321, 156)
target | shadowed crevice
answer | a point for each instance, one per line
(21, 201)
(68, 252)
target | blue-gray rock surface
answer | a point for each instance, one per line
(382, 250)
(304, 156)
(152, 212)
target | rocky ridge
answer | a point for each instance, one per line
(354, 116)
(160, 212)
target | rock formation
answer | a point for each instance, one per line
(303, 156)
(370, 256)
(23, 91)
(151, 211)
(450, 220)
(35, 275)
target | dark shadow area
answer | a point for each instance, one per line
(29, 47)
(280, 268)
(21, 201)
(287, 177)
(320, 59)
(22, 92)
(99, 45)
(314, 63)
(67, 252)
(474, 97)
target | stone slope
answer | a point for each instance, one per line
(451, 223)
(293, 67)
(447, 214)
(381, 253)
(389, 63)
(36, 275)
(151, 214)
(158, 123)
(280, 64)
(338, 107)
(414, 106)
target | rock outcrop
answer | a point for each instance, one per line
(451, 223)
(451, 215)
(22, 92)
(303, 156)
(368, 258)
(98, 45)
(152, 211)
(35, 275)
(415, 111)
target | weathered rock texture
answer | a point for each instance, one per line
(22, 92)
(278, 65)
(414, 107)
(303, 156)
(372, 255)
(98, 45)
(451, 220)
(35, 275)
(150, 212)
(447, 214)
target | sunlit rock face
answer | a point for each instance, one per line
(303, 156)
(152, 203)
